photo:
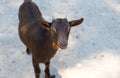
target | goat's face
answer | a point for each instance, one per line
(60, 29)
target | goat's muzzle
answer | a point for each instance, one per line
(63, 44)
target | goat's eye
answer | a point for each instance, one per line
(53, 29)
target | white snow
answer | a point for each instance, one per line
(94, 46)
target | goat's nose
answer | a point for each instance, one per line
(63, 45)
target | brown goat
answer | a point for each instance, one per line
(42, 38)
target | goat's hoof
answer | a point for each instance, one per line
(53, 76)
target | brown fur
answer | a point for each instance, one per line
(42, 38)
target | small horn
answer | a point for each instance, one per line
(53, 17)
(65, 16)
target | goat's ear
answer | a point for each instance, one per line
(76, 22)
(44, 23)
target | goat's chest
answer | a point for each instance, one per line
(44, 54)
(43, 48)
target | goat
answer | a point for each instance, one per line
(42, 38)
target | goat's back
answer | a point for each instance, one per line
(28, 12)
(34, 36)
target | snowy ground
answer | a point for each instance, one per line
(94, 46)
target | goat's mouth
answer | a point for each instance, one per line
(63, 45)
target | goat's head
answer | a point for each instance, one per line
(60, 29)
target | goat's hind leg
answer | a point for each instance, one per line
(47, 71)
(36, 68)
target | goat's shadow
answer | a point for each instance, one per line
(53, 71)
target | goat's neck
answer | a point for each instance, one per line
(54, 42)
(54, 45)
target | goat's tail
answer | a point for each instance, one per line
(27, 0)
(28, 51)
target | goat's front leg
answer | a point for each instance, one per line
(36, 68)
(47, 71)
